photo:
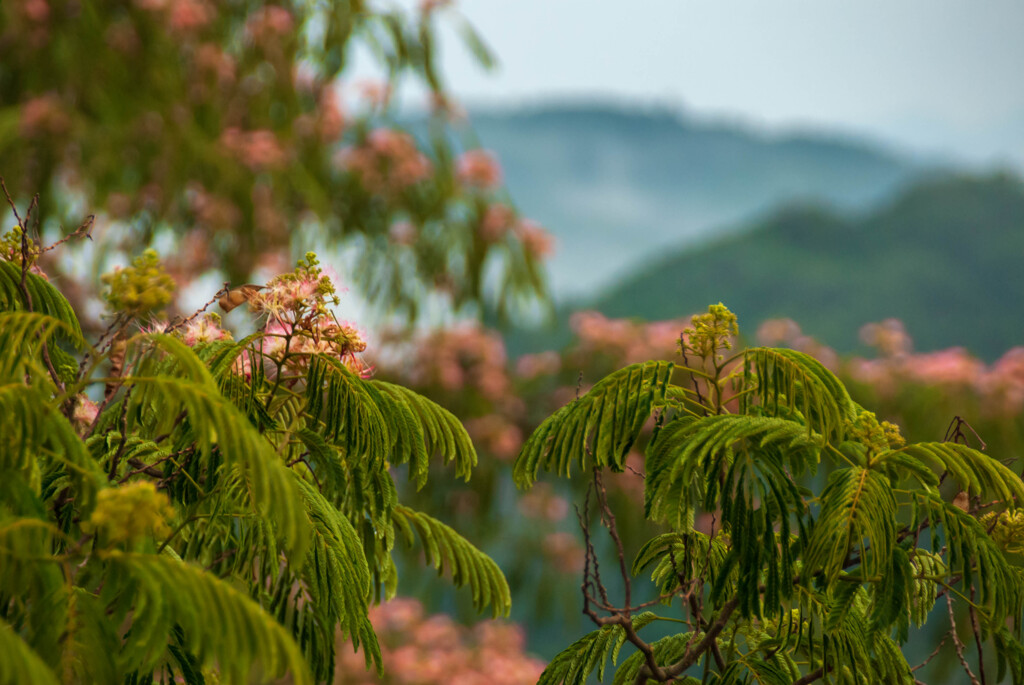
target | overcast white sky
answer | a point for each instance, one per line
(934, 74)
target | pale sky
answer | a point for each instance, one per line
(940, 75)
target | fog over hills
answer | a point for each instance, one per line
(616, 186)
(944, 257)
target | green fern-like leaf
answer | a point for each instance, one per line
(45, 298)
(216, 421)
(337, 573)
(575, 664)
(422, 429)
(667, 650)
(219, 623)
(599, 427)
(350, 414)
(858, 511)
(19, 663)
(689, 454)
(976, 472)
(798, 382)
(446, 548)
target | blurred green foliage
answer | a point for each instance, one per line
(220, 124)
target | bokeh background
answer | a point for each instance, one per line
(845, 176)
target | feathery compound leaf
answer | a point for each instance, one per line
(446, 548)
(975, 471)
(345, 404)
(667, 650)
(688, 452)
(924, 590)
(857, 511)
(45, 298)
(216, 420)
(602, 424)
(973, 555)
(681, 557)
(22, 335)
(219, 623)
(18, 663)
(336, 571)
(573, 665)
(32, 432)
(421, 429)
(799, 382)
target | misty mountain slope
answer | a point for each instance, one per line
(613, 185)
(946, 257)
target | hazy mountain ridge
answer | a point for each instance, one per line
(944, 256)
(615, 185)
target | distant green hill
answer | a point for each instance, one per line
(946, 257)
(615, 185)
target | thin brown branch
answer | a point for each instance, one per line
(816, 674)
(959, 644)
(931, 656)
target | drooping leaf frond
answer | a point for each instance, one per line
(22, 335)
(796, 381)
(689, 455)
(976, 472)
(20, 664)
(858, 513)
(667, 650)
(337, 573)
(219, 623)
(421, 429)
(680, 557)
(217, 421)
(445, 548)
(575, 664)
(30, 427)
(46, 299)
(350, 415)
(600, 427)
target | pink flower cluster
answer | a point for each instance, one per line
(464, 356)
(204, 329)
(496, 222)
(536, 241)
(45, 115)
(376, 94)
(564, 552)
(1000, 386)
(213, 212)
(326, 336)
(478, 169)
(209, 59)
(84, 413)
(625, 341)
(387, 162)
(531, 366)
(257, 150)
(787, 332)
(182, 17)
(327, 123)
(542, 502)
(269, 24)
(426, 650)
(496, 435)
(189, 16)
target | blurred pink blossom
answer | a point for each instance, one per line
(44, 115)
(187, 16)
(258, 149)
(496, 222)
(536, 241)
(479, 169)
